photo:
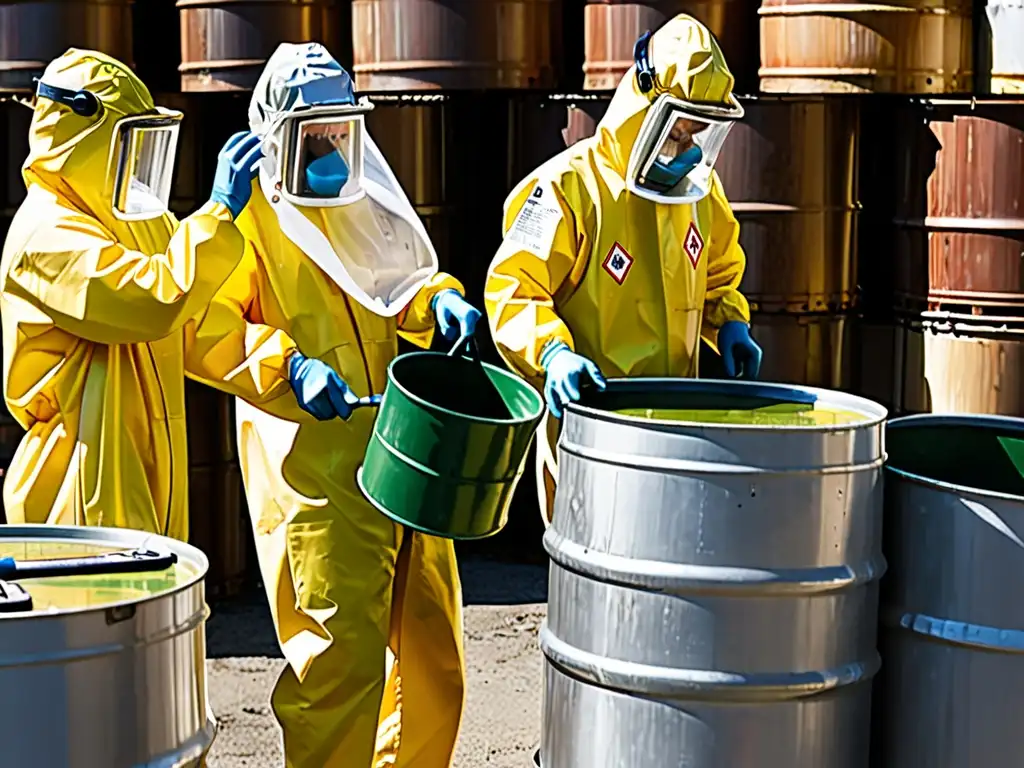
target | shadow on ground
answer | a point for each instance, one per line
(241, 626)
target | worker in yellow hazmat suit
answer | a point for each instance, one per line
(341, 262)
(620, 252)
(98, 293)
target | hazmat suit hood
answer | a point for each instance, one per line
(71, 156)
(370, 241)
(689, 65)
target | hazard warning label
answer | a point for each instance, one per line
(535, 226)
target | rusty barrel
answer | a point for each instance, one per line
(959, 236)
(789, 172)
(218, 522)
(34, 33)
(611, 28)
(415, 45)
(913, 46)
(225, 43)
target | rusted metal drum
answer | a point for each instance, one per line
(218, 523)
(919, 46)
(952, 622)
(789, 172)
(225, 43)
(959, 217)
(611, 28)
(960, 363)
(34, 33)
(415, 45)
(959, 236)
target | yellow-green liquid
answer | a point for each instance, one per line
(779, 415)
(93, 591)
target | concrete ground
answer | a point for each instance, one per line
(505, 604)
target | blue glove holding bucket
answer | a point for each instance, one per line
(566, 373)
(456, 317)
(740, 353)
(321, 392)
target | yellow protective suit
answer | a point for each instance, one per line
(344, 583)
(644, 314)
(98, 329)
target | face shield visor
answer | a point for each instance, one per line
(321, 157)
(677, 147)
(144, 151)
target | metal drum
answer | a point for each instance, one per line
(713, 587)
(789, 170)
(34, 33)
(104, 670)
(415, 45)
(918, 46)
(952, 681)
(225, 43)
(959, 236)
(611, 28)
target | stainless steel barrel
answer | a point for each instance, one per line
(103, 677)
(952, 685)
(713, 587)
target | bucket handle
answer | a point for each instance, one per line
(466, 344)
(466, 347)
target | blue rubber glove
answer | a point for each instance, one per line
(565, 374)
(236, 168)
(740, 353)
(456, 317)
(320, 391)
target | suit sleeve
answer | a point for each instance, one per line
(228, 349)
(94, 288)
(723, 301)
(538, 259)
(416, 322)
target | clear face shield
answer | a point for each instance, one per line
(144, 152)
(321, 156)
(677, 148)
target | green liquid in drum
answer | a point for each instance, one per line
(780, 415)
(92, 591)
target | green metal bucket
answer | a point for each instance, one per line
(449, 444)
